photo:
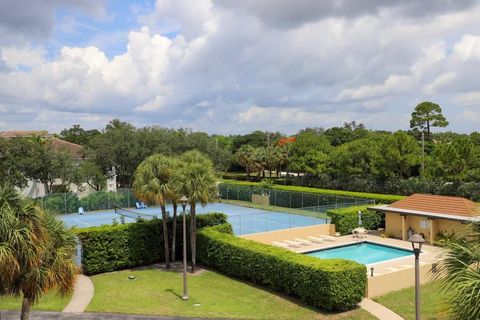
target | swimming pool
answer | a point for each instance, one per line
(365, 253)
(244, 220)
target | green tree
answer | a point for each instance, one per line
(459, 274)
(78, 135)
(88, 172)
(36, 251)
(399, 155)
(355, 158)
(426, 115)
(349, 132)
(458, 160)
(152, 184)
(309, 153)
(196, 180)
(245, 157)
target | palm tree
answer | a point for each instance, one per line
(196, 180)
(459, 272)
(36, 251)
(245, 158)
(152, 184)
(175, 198)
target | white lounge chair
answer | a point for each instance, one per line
(80, 210)
(315, 239)
(328, 238)
(280, 244)
(292, 243)
(303, 241)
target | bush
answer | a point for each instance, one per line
(333, 284)
(59, 203)
(380, 198)
(103, 200)
(115, 247)
(346, 219)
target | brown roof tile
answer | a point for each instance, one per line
(438, 204)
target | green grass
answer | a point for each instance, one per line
(50, 302)
(403, 302)
(157, 292)
(248, 204)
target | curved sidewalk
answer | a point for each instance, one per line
(379, 311)
(82, 295)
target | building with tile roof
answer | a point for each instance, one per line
(428, 215)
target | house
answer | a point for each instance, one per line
(428, 215)
(36, 189)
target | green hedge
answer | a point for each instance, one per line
(380, 198)
(110, 248)
(346, 219)
(333, 284)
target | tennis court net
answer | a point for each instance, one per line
(133, 214)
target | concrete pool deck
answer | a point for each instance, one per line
(390, 275)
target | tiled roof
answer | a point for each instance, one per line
(438, 204)
(24, 133)
(75, 150)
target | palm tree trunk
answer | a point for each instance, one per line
(193, 235)
(174, 230)
(165, 235)
(26, 304)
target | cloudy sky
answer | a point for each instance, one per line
(229, 66)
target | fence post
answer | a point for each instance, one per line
(128, 198)
(65, 202)
(237, 193)
(240, 225)
(266, 222)
(290, 194)
(302, 200)
(290, 221)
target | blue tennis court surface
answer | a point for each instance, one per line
(244, 220)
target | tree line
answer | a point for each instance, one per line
(349, 157)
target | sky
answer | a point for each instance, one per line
(229, 66)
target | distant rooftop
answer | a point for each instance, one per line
(75, 150)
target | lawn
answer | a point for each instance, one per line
(248, 204)
(158, 292)
(50, 302)
(403, 302)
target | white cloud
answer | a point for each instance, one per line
(214, 65)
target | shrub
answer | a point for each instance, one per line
(346, 219)
(110, 248)
(381, 198)
(332, 284)
(60, 203)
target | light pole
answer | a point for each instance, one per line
(417, 241)
(183, 201)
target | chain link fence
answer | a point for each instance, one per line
(63, 203)
(292, 199)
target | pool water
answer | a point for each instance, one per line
(365, 253)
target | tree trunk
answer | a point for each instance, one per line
(26, 304)
(165, 235)
(193, 235)
(174, 230)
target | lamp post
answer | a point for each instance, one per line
(360, 218)
(183, 201)
(417, 241)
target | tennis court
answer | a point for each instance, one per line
(244, 220)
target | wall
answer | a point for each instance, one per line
(451, 226)
(290, 234)
(397, 280)
(393, 225)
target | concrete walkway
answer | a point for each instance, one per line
(47, 315)
(82, 295)
(378, 310)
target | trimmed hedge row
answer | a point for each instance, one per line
(110, 248)
(346, 219)
(383, 198)
(333, 284)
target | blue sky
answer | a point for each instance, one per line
(228, 66)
